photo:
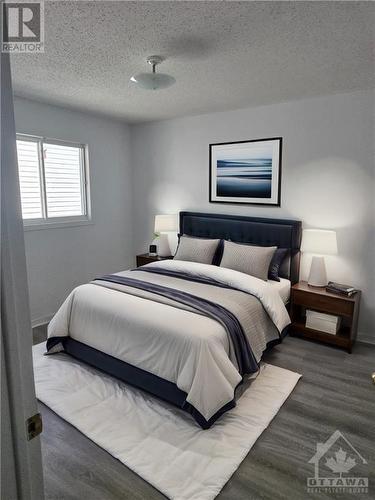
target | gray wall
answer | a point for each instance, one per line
(327, 176)
(60, 259)
(162, 167)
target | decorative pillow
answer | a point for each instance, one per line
(218, 254)
(277, 260)
(284, 271)
(196, 249)
(248, 259)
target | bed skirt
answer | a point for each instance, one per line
(157, 386)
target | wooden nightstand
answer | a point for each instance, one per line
(318, 299)
(145, 258)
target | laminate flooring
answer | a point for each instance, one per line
(335, 393)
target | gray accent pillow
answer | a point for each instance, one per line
(196, 249)
(248, 259)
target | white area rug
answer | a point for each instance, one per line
(157, 441)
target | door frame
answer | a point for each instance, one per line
(22, 472)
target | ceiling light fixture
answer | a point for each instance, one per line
(153, 81)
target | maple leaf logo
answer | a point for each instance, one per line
(341, 463)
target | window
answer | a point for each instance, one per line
(53, 180)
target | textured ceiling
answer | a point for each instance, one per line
(224, 55)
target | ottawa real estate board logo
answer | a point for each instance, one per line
(22, 26)
(338, 468)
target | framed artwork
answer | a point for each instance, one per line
(247, 172)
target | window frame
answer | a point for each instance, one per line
(46, 222)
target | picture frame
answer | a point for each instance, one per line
(246, 172)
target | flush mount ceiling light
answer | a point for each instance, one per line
(153, 81)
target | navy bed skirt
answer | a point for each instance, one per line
(157, 386)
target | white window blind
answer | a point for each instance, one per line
(63, 178)
(29, 175)
(52, 180)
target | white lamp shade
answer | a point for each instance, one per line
(319, 241)
(165, 223)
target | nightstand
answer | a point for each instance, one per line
(304, 296)
(146, 258)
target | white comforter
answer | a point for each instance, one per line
(188, 349)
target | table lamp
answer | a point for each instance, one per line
(322, 242)
(164, 224)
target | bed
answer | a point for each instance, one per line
(187, 332)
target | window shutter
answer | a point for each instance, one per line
(29, 175)
(63, 180)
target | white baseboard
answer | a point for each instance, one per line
(41, 321)
(366, 338)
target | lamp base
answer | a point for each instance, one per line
(162, 243)
(318, 274)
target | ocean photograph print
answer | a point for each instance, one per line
(247, 172)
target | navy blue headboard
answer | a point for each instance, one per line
(282, 233)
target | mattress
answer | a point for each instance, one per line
(283, 287)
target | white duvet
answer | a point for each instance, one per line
(183, 347)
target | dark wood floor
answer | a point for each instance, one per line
(336, 392)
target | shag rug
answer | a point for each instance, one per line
(162, 444)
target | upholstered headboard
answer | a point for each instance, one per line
(282, 233)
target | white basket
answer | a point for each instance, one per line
(327, 323)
